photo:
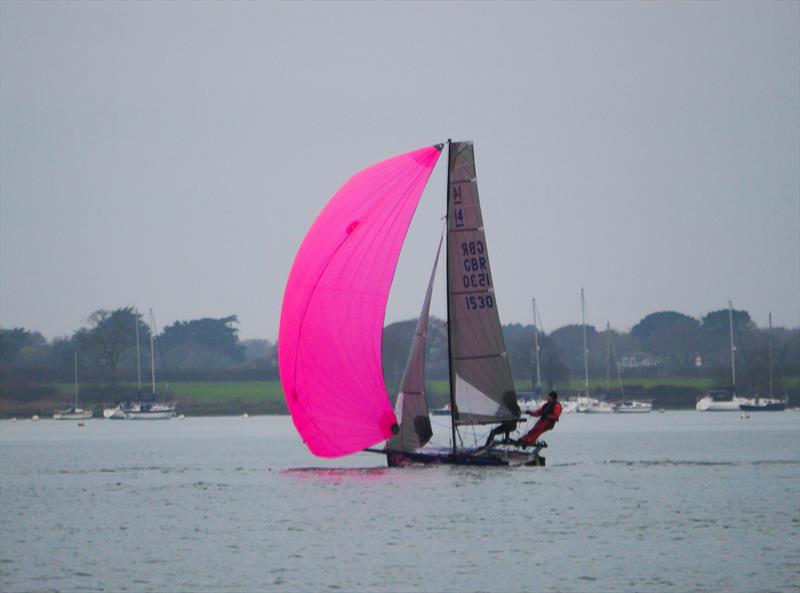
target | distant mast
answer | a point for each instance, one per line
(538, 382)
(733, 348)
(585, 349)
(152, 352)
(769, 345)
(608, 357)
(76, 379)
(138, 360)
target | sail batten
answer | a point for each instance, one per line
(335, 302)
(483, 387)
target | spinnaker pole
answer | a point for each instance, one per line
(449, 332)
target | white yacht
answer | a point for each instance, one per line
(117, 413)
(149, 411)
(148, 408)
(771, 403)
(721, 400)
(584, 403)
(599, 407)
(74, 412)
(569, 405)
(634, 407)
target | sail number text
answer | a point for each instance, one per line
(479, 302)
(475, 274)
(458, 213)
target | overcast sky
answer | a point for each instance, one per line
(172, 155)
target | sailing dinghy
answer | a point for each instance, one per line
(332, 322)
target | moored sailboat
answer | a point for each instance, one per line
(626, 406)
(771, 403)
(148, 408)
(332, 321)
(74, 412)
(118, 412)
(719, 400)
(584, 402)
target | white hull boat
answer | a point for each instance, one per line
(73, 414)
(150, 412)
(569, 406)
(598, 408)
(114, 413)
(720, 400)
(717, 402)
(634, 407)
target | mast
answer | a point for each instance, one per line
(449, 332)
(152, 352)
(769, 343)
(733, 348)
(138, 361)
(608, 357)
(536, 348)
(585, 349)
(76, 379)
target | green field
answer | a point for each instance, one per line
(266, 397)
(221, 391)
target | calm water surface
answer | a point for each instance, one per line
(660, 502)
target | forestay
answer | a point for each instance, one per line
(334, 305)
(483, 386)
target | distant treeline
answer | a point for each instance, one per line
(663, 344)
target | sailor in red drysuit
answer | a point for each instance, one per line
(548, 416)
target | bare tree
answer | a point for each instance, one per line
(109, 335)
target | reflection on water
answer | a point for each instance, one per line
(338, 474)
(665, 502)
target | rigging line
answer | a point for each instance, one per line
(616, 366)
(783, 377)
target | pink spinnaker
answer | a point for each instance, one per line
(329, 343)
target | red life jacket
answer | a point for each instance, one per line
(549, 411)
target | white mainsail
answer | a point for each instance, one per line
(482, 386)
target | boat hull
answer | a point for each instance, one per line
(478, 457)
(770, 407)
(114, 413)
(78, 415)
(718, 406)
(150, 414)
(635, 408)
(601, 408)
